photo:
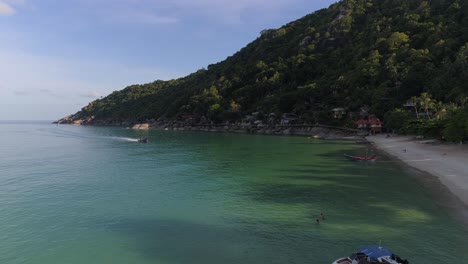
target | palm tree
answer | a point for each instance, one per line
(426, 103)
(415, 101)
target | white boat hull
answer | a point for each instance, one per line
(347, 260)
(343, 261)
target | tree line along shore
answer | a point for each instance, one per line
(404, 62)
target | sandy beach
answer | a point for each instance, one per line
(448, 162)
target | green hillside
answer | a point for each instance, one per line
(375, 54)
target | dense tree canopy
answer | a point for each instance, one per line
(356, 53)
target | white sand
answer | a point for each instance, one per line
(448, 162)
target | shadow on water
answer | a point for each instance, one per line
(386, 165)
(165, 240)
(175, 241)
(323, 142)
(372, 201)
(363, 203)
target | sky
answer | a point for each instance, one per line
(57, 56)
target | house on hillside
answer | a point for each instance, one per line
(409, 104)
(411, 108)
(338, 113)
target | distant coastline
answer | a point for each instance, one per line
(311, 130)
(26, 121)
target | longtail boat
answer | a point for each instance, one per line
(143, 140)
(361, 158)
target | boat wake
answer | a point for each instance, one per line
(72, 134)
(126, 139)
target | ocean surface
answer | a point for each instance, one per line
(74, 194)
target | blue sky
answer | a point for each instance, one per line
(57, 56)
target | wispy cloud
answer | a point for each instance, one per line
(30, 82)
(167, 12)
(40, 92)
(92, 95)
(229, 6)
(51, 93)
(21, 93)
(6, 9)
(147, 18)
(17, 2)
(130, 11)
(229, 11)
(45, 91)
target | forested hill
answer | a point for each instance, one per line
(356, 53)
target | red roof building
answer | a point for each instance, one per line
(371, 124)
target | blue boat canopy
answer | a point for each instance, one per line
(375, 251)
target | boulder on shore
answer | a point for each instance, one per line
(141, 126)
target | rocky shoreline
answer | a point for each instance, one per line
(256, 127)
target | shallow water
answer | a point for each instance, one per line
(73, 194)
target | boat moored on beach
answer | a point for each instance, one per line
(362, 158)
(372, 254)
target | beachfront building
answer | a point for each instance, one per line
(362, 124)
(371, 124)
(375, 125)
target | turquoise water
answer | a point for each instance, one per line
(73, 194)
